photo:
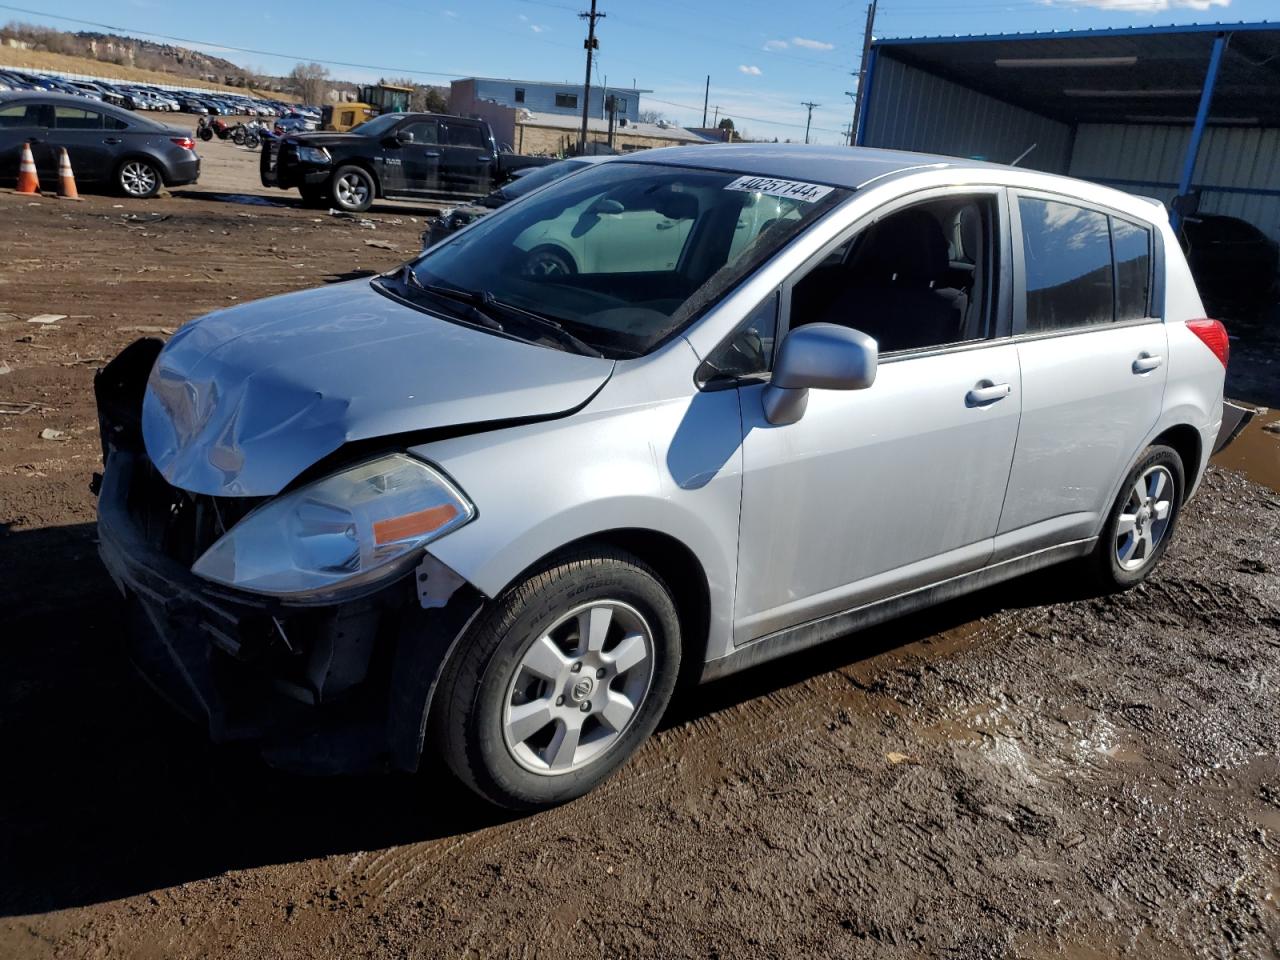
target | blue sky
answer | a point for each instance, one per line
(764, 56)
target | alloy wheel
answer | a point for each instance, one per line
(577, 687)
(1145, 517)
(352, 189)
(137, 178)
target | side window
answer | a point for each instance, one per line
(916, 278)
(20, 115)
(519, 94)
(73, 118)
(463, 135)
(1067, 253)
(113, 123)
(749, 351)
(566, 99)
(424, 131)
(1133, 269)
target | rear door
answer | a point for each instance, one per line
(467, 159)
(91, 137)
(26, 123)
(1092, 347)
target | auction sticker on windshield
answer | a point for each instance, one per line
(791, 189)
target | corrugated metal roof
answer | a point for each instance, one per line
(1119, 75)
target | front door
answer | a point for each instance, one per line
(26, 123)
(877, 492)
(1093, 351)
(414, 165)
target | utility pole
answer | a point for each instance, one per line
(809, 120)
(591, 44)
(706, 97)
(859, 104)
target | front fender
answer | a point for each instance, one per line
(672, 467)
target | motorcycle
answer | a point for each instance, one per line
(207, 128)
(248, 134)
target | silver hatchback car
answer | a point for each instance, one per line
(767, 396)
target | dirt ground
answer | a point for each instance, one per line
(1030, 772)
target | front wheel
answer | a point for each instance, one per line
(560, 681)
(1142, 519)
(352, 189)
(548, 261)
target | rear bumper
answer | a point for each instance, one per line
(1234, 419)
(182, 172)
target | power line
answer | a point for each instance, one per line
(810, 105)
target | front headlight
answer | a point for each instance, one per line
(313, 154)
(355, 527)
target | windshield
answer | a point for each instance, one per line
(378, 125)
(625, 255)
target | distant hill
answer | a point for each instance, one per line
(128, 53)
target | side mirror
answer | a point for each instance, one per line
(822, 356)
(404, 136)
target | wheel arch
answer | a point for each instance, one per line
(1185, 441)
(678, 566)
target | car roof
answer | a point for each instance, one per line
(849, 167)
(71, 100)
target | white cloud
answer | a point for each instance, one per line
(451, 14)
(523, 18)
(751, 71)
(537, 27)
(775, 45)
(1141, 6)
(812, 44)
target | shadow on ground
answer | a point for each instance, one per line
(111, 794)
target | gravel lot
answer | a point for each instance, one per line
(1029, 772)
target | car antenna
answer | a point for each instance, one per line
(1023, 155)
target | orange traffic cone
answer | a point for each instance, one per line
(66, 179)
(28, 182)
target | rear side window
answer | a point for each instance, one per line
(1133, 269)
(460, 135)
(1068, 271)
(73, 118)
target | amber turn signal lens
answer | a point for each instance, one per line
(413, 524)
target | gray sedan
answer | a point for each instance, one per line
(109, 147)
(772, 395)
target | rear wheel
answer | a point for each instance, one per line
(1142, 519)
(352, 189)
(548, 261)
(559, 683)
(139, 178)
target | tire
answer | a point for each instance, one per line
(548, 261)
(139, 178)
(515, 668)
(352, 189)
(1127, 552)
(205, 134)
(237, 137)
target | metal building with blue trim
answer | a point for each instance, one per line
(1160, 111)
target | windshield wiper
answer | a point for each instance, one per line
(473, 313)
(482, 303)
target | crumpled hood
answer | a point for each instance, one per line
(243, 400)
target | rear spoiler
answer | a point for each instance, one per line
(1234, 419)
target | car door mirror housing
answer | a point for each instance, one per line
(818, 356)
(404, 136)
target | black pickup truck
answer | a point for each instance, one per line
(401, 156)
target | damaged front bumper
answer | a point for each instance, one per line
(339, 688)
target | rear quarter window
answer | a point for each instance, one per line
(1133, 269)
(459, 135)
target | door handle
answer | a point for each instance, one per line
(431, 153)
(666, 225)
(985, 392)
(112, 140)
(1146, 363)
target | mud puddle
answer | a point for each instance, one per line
(1256, 452)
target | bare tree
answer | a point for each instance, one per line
(310, 81)
(651, 116)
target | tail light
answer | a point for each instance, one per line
(1213, 335)
(185, 142)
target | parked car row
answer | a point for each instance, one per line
(139, 96)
